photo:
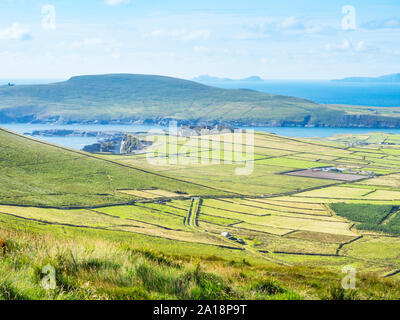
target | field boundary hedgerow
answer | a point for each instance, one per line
(115, 231)
(306, 254)
(347, 243)
(135, 220)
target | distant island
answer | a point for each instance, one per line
(395, 77)
(209, 79)
(152, 99)
(386, 78)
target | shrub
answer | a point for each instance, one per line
(338, 293)
(267, 286)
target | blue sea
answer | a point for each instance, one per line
(330, 92)
(79, 142)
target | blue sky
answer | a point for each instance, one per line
(273, 39)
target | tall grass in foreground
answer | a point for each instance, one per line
(91, 268)
(96, 269)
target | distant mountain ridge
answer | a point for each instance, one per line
(152, 99)
(395, 77)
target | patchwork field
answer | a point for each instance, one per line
(279, 201)
(327, 175)
(194, 205)
(153, 193)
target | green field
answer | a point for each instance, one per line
(33, 173)
(125, 228)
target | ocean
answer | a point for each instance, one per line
(79, 142)
(330, 92)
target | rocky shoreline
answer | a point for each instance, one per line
(128, 144)
(116, 142)
(76, 133)
(119, 142)
(343, 121)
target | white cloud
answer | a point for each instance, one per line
(169, 34)
(341, 47)
(76, 44)
(157, 33)
(382, 24)
(15, 32)
(92, 41)
(200, 49)
(206, 51)
(290, 22)
(346, 46)
(198, 34)
(250, 36)
(117, 2)
(289, 26)
(182, 34)
(360, 46)
(87, 42)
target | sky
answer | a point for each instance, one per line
(282, 39)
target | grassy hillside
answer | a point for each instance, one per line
(124, 97)
(118, 265)
(34, 173)
(296, 232)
